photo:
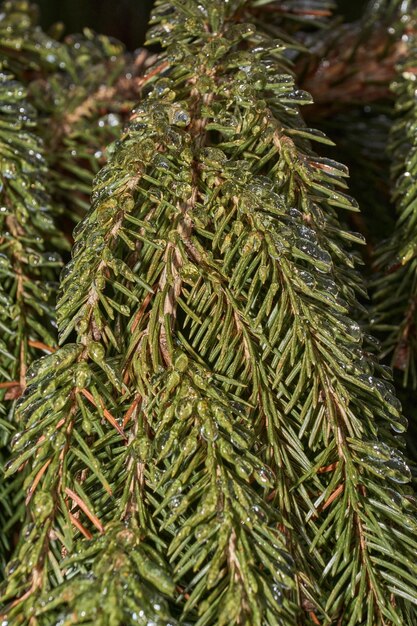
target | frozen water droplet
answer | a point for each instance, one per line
(399, 424)
(59, 440)
(209, 431)
(307, 233)
(244, 470)
(321, 258)
(379, 452)
(175, 502)
(181, 118)
(82, 376)
(277, 594)
(307, 278)
(397, 470)
(96, 351)
(43, 505)
(184, 409)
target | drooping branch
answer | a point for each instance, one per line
(348, 68)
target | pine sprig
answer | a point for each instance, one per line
(126, 583)
(79, 88)
(29, 273)
(395, 288)
(77, 93)
(212, 393)
(82, 109)
(28, 269)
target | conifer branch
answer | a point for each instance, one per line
(395, 296)
(347, 68)
(28, 271)
(82, 89)
(213, 429)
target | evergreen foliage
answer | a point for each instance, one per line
(215, 441)
(395, 292)
(56, 121)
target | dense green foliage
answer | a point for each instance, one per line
(60, 108)
(217, 439)
(396, 291)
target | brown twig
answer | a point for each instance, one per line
(41, 346)
(80, 527)
(109, 417)
(76, 498)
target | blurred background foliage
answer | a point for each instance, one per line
(125, 19)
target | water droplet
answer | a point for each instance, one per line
(379, 452)
(202, 532)
(209, 431)
(59, 440)
(10, 568)
(244, 470)
(82, 376)
(397, 470)
(28, 529)
(173, 381)
(259, 512)
(298, 95)
(264, 476)
(165, 445)
(142, 448)
(329, 286)
(184, 409)
(181, 362)
(321, 258)
(34, 258)
(96, 351)
(394, 404)
(307, 233)
(277, 593)
(175, 502)
(4, 262)
(43, 505)
(124, 309)
(181, 118)
(81, 326)
(352, 329)
(307, 278)
(399, 424)
(409, 503)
